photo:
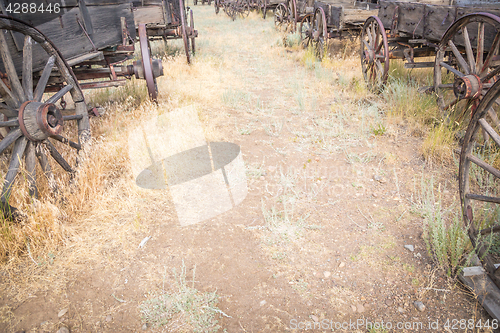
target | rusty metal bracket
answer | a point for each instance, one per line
(395, 21)
(86, 34)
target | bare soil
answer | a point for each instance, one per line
(307, 138)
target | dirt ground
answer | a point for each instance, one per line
(319, 238)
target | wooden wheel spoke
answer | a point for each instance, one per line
(31, 169)
(15, 161)
(490, 230)
(484, 198)
(73, 117)
(491, 53)
(8, 96)
(451, 69)
(459, 57)
(9, 139)
(490, 130)
(57, 96)
(28, 68)
(369, 34)
(379, 47)
(58, 157)
(446, 86)
(480, 47)
(8, 63)
(66, 141)
(485, 166)
(9, 123)
(468, 49)
(7, 110)
(47, 170)
(44, 78)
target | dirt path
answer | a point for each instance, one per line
(319, 238)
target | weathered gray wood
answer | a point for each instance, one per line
(44, 78)
(437, 20)
(28, 68)
(9, 139)
(10, 68)
(488, 294)
(93, 56)
(412, 18)
(482, 198)
(15, 161)
(58, 157)
(485, 166)
(57, 96)
(47, 170)
(387, 11)
(7, 110)
(66, 141)
(31, 169)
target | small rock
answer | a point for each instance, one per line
(262, 178)
(389, 302)
(375, 195)
(271, 168)
(313, 317)
(353, 308)
(109, 318)
(317, 159)
(410, 247)
(360, 308)
(377, 178)
(342, 264)
(62, 312)
(419, 305)
(263, 302)
(400, 309)
(418, 255)
(336, 277)
(327, 274)
(144, 327)
(63, 330)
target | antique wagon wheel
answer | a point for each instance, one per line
(191, 26)
(465, 66)
(280, 16)
(305, 30)
(479, 180)
(292, 15)
(184, 31)
(244, 8)
(37, 129)
(374, 54)
(264, 8)
(319, 33)
(146, 63)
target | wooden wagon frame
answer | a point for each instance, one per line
(57, 52)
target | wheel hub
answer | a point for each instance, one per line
(468, 87)
(38, 121)
(369, 56)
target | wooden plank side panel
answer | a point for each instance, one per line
(357, 15)
(386, 12)
(148, 15)
(107, 25)
(412, 18)
(437, 21)
(335, 17)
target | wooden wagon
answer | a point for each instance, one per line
(56, 47)
(318, 21)
(167, 19)
(461, 44)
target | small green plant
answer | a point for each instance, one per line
(185, 307)
(447, 242)
(379, 129)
